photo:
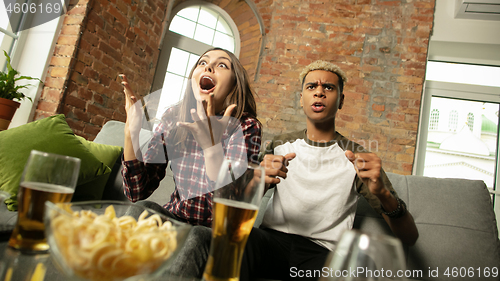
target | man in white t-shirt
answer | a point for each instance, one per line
(318, 176)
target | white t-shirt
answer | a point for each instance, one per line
(318, 199)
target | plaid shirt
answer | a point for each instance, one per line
(241, 139)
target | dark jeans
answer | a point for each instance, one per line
(272, 254)
(191, 260)
(268, 254)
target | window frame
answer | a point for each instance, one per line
(448, 90)
(224, 14)
(457, 91)
(16, 47)
(31, 56)
(171, 39)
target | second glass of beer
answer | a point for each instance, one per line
(46, 177)
(239, 190)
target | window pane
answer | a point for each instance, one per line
(183, 90)
(204, 34)
(224, 41)
(14, 22)
(170, 93)
(208, 18)
(434, 120)
(470, 120)
(190, 13)
(223, 27)
(453, 122)
(4, 18)
(178, 61)
(174, 84)
(470, 151)
(6, 44)
(6, 41)
(182, 26)
(463, 73)
(200, 23)
(192, 60)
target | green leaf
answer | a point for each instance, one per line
(26, 78)
(8, 88)
(9, 67)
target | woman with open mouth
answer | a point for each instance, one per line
(216, 119)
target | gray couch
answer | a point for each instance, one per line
(455, 219)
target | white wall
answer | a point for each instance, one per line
(447, 28)
(463, 40)
(31, 58)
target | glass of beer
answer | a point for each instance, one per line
(46, 177)
(239, 190)
(365, 257)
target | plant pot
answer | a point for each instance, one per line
(7, 110)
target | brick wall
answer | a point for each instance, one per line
(62, 61)
(100, 39)
(382, 45)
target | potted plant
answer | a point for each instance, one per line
(10, 96)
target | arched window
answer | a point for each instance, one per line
(434, 120)
(195, 27)
(470, 121)
(205, 25)
(453, 121)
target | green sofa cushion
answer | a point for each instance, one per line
(51, 134)
(107, 154)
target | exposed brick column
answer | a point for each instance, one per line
(63, 60)
(102, 38)
(119, 36)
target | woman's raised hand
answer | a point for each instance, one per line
(130, 98)
(207, 129)
(134, 120)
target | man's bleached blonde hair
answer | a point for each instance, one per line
(327, 66)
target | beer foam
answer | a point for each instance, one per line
(47, 187)
(236, 204)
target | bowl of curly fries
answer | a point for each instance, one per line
(111, 240)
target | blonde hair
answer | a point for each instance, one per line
(327, 66)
